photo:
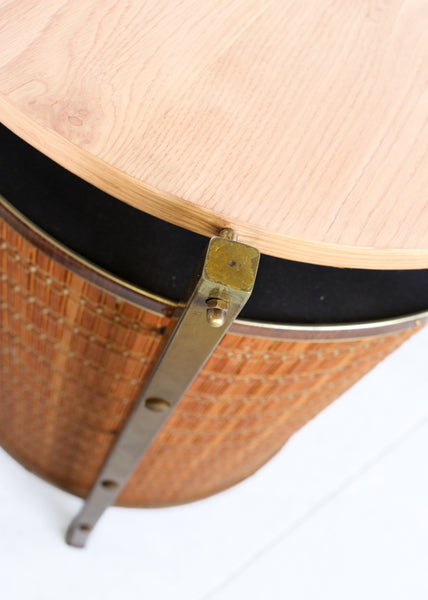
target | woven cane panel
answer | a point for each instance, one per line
(73, 359)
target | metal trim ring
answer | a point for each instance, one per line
(158, 305)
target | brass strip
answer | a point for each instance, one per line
(162, 306)
(228, 276)
(329, 333)
(79, 265)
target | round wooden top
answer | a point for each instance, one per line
(300, 124)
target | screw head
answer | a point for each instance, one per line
(228, 234)
(216, 312)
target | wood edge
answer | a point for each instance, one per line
(184, 214)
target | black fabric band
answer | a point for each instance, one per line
(160, 257)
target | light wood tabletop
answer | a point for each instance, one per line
(301, 124)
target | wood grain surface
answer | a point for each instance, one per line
(303, 124)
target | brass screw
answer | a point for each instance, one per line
(228, 234)
(216, 312)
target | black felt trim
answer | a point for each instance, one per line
(160, 257)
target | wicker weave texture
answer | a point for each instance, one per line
(73, 359)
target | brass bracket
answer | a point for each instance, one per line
(224, 284)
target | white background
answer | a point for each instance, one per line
(340, 513)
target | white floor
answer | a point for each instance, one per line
(341, 512)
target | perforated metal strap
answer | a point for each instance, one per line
(224, 284)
